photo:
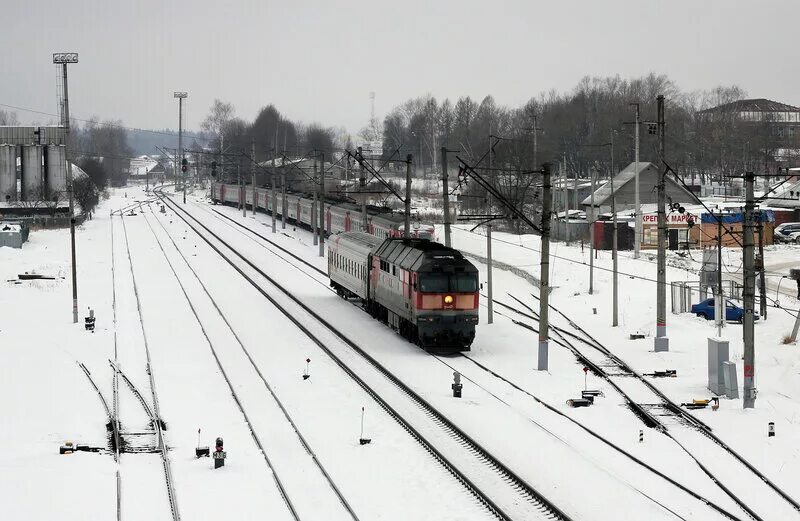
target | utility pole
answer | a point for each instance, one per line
(762, 283)
(720, 308)
(242, 191)
(446, 198)
(661, 341)
(491, 174)
(362, 183)
(253, 168)
(322, 204)
(274, 182)
(614, 244)
(566, 200)
(749, 296)
(591, 235)
(283, 200)
(637, 204)
(407, 231)
(544, 284)
(64, 58)
(314, 211)
(490, 303)
(181, 96)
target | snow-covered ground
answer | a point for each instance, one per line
(47, 398)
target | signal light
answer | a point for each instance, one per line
(448, 299)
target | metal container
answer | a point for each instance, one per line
(55, 171)
(32, 179)
(8, 173)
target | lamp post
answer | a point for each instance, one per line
(181, 96)
(64, 58)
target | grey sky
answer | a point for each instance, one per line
(318, 60)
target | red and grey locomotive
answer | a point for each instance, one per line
(422, 289)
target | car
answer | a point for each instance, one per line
(786, 233)
(733, 313)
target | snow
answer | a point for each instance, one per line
(47, 399)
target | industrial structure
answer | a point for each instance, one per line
(33, 168)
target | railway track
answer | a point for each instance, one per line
(511, 497)
(158, 423)
(216, 355)
(657, 411)
(321, 276)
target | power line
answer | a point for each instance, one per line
(113, 125)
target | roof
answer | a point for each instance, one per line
(625, 193)
(753, 105)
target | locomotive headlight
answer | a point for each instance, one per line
(448, 299)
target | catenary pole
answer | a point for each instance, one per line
(490, 300)
(591, 234)
(446, 198)
(544, 284)
(749, 296)
(614, 244)
(253, 170)
(314, 209)
(242, 190)
(637, 245)
(283, 200)
(661, 341)
(566, 200)
(407, 231)
(321, 204)
(274, 195)
(719, 318)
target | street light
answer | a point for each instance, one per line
(181, 95)
(64, 58)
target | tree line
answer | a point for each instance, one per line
(573, 127)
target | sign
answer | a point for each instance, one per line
(65, 57)
(673, 218)
(219, 454)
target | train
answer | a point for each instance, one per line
(424, 290)
(339, 216)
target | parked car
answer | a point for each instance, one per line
(733, 313)
(787, 233)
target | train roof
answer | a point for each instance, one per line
(364, 240)
(423, 255)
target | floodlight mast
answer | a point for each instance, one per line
(64, 58)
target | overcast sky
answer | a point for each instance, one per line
(318, 60)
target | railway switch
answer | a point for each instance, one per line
(457, 385)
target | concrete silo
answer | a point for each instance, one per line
(32, 179)
(8, 173)
(55, 171)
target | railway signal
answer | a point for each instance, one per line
(219, 454)
(456, 385)
(184, 165)
(213, 169)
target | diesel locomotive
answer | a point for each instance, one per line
(424, 290)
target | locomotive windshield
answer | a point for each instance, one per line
(443, 283)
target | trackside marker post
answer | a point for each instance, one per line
(362, 440)
(306, 373)
(219, 454)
